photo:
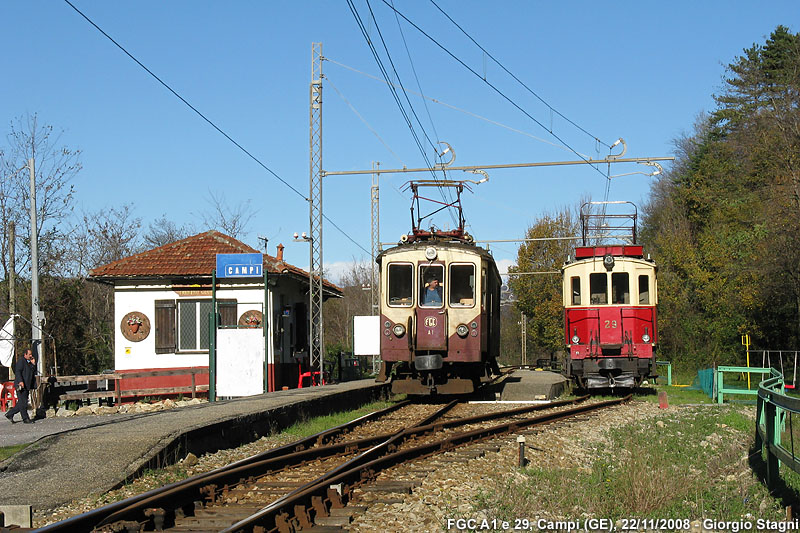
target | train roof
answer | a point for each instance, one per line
(439, 244)
(583, 252)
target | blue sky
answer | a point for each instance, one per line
(637, 70)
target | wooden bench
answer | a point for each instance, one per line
(76, 391)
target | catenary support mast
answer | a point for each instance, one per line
(316, 346)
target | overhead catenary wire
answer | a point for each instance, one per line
(363, 120)
(551, 108)
(493, 87)
(455, 108)
(416, 77)
(211, 123)
(424, 103)
(392, 88)
(446, 196)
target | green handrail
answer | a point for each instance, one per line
(771, 415)
(719, 381)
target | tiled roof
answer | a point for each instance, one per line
(189, 257)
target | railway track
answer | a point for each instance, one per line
(309, 482)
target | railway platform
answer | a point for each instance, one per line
(62, 464)
(526, 385)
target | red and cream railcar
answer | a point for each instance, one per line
(610, 298)
(445, 344)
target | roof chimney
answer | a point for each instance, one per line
(280, 252)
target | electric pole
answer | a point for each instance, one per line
(316, 346)
(36, 327)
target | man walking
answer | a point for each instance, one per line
(25, 370)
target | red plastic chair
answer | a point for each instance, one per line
(8, 394)
(313, 378)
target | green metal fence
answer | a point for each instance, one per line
(775, 426)
(669, 370)
(719, 380)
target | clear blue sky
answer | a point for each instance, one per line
(637, 70)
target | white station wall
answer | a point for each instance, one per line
(130, 355)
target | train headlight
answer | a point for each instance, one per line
(576, 339)
(462, 330)
(473, 325)
(645, 338)
(399, 330)
(430, 253)
(387, 324)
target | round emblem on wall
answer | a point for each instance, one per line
(252, 319)
(135, 326)
(430, 321)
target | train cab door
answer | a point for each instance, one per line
(431, 314)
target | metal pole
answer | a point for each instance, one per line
(524, 339)
(470, 168)
(36, 327)
(316, 345)
(376, 249)
(266, 317)
(212, 341)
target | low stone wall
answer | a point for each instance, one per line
(139, 407)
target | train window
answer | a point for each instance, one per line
(644, 290)
(598, 288)
(462, 285)
(432, 285)
(401, 284)
(576, 290)
(620, 288)
(483, 288)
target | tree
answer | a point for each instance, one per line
(103, 236)
(55, 168)
(163, 231)
(232, 221)
(339, 312)
(537, 283)
(722, 222)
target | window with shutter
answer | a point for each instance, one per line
(227, 312)
(165, 326)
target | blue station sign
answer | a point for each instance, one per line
(240, 265)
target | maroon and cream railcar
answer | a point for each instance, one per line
(610, 299)
(445, 344)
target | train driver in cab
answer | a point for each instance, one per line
(432, 294)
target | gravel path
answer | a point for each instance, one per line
(66, 463)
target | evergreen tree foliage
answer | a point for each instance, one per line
(722, 224)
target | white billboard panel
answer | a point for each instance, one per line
(240, 362)
(366, 335)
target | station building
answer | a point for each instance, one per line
(162, 301)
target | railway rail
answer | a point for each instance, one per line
(294, 486)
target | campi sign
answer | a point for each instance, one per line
(240, 265)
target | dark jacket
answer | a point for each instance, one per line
(25, 373)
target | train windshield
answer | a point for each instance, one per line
(401, 284)
(598, 289)
(620, 291)
(432, 289)
(644, 290)
(462, 285)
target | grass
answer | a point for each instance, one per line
(689, 462)
(305, 428)
(8, 451)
